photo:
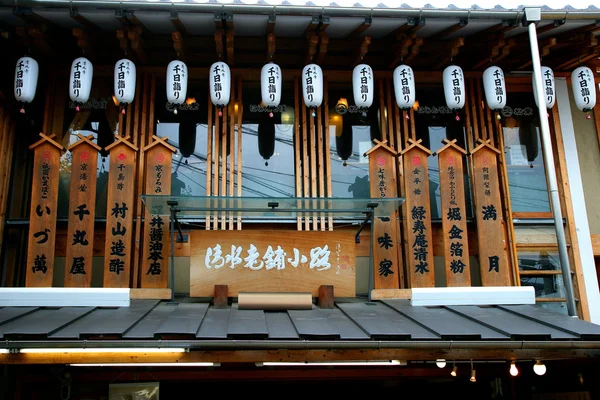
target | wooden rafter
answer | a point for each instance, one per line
(270, 46)
(403, 42)
(178, 24)
(491, 49)
(124, 44)
(83, 42)
(313, 41)
(450, 52)
(414, 49)
(448, 31)
(359, 30)
(271, 24)
(323, 43)
(361, 50)
(137, 43)
(585, 55)
(179, 44)
(219, 33)
(545, 47)
(42, 37)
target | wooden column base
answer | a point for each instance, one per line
(326, 296)
(220, 298)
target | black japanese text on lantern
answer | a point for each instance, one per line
(418, 214)
(177, 71)
(272, 73)
(310, 89)
(365, 74)
(457, 266)
(218, 87)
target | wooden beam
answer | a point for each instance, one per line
(323, 43)
(178, 24)
(124, 44)
(270, 46)
(83, 42)
(448, 31)
(361, 50)
(230, 48)
(359, 30)
(179, 44)
(403, 41)
(313, 27)
(313, 41)
(491, 48)
(219, 33)
(454, 49)
(414, 50)
(137, 43)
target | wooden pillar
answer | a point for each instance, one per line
(43, 209)
(82, 207)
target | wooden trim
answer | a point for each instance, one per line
(321, 161)
(150, 294)
(483, 133)
(405, 132)
(473, 113)
(7, 157)
(541, 272)
(305, 160)
(567, 207)
(382, 119)
(217, 164)
(138, 103)
(413, 129)
(297, 149)
(48, 104)
(596, 111)
(232, 153)
(537, 246)
(468, 126)
(596, 244)
(389, 113)
(532, 215)
(313, 164)
(223, 162)
(327, 148)
(240, 122)
(209, 157)
(398, 127)
(550, 300)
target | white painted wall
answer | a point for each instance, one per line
(577, 195)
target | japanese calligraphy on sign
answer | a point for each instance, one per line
(418, 226)
(259, 261)
(454, 219)
(119, 213)
(488, 214)
(42, 216)
(156, 233)
(80, 232)
(387, 261)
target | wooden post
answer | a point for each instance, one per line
(418, 212)
(386, 259)
(493, 261)
(82, 210)
(454, 217)
(220, 297)
(42, 215)
(326, 299)
(119, 213)
(155, 270)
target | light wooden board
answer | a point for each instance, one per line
(82, 209)
(383, 294)
(42, 220)
(150, 294)
(212, 258)
(454, 217)
(493, 260)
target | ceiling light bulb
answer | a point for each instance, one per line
(473, 379)
(454, 370)
(539, 368)
(514, 371)
(440, 362)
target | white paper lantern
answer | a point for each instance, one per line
(548, 87)
(312, 86)
(26, 79)
(584, 92)
(494, 88)
(454, 88)
(124, 82)
(362, 86)
(80, 84)
(220, 85)
(270, 85)
(404, 86)
(177, 80)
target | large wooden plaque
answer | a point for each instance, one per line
(82, 207)
(42, 215)
(454, 217)
(155, 262)
(272, 261)
(382, 178)
(493, 260)
(119, 214)
(419, 252)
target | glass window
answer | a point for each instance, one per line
(523, 151)
(540, 268)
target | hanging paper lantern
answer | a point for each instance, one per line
(584, 92)
(404, 87)
(362, 87)
(220, 85)
(125, 77)
(454, 88)
(270, 85)
(177, 79)
(494, 88)
(547, 87)
(80, 83)
(26, 78)
(312, 86)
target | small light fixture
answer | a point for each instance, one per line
(514, 371)
(454, 370)
(472, 379)
(539, 368)
(342, 106)
(440, 362)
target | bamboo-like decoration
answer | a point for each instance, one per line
(473, 113)
(217, 164)
(305, 161)
(484, 133)
(231, 182)
(223, 163)
(321, 164)
(382, 117)
(209, 157)
(240, 114)
(398, 128)
(297, 149)
(327, 148)
(137, 109)
(313, 163)
(389, 114)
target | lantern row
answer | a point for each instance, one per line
(82, 71)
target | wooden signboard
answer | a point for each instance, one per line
(454, 217)
(155, 262)
(82, 207)
(386, 260)
(419, 252)
(42, 215)
(493, 260)
(272, 261)
(119, 213)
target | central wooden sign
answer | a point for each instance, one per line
(272, 261)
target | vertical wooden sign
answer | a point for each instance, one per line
(155, 261)
(418, 211)
(82, 207)
(382, 177)
(42, 215)
(119, 213)
(454, 218)
(493, 260)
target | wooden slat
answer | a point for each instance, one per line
(297, 149)
(397, 129)
(469, 119)
(571, 230)
(327, 147)
(405, 131)
(321, 161)
(48, 104)
(413, 129)
(223, 162)
(7, 158)
(209, 156)
(313, 165)
(240, 147)
(390, 120)
(121, 129)
(305, 161)
(490, 126)
(483, 133)
(217, 165)
(382, 117)
(231, 149)
(138, 107)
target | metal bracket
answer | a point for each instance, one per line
(368, 217)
